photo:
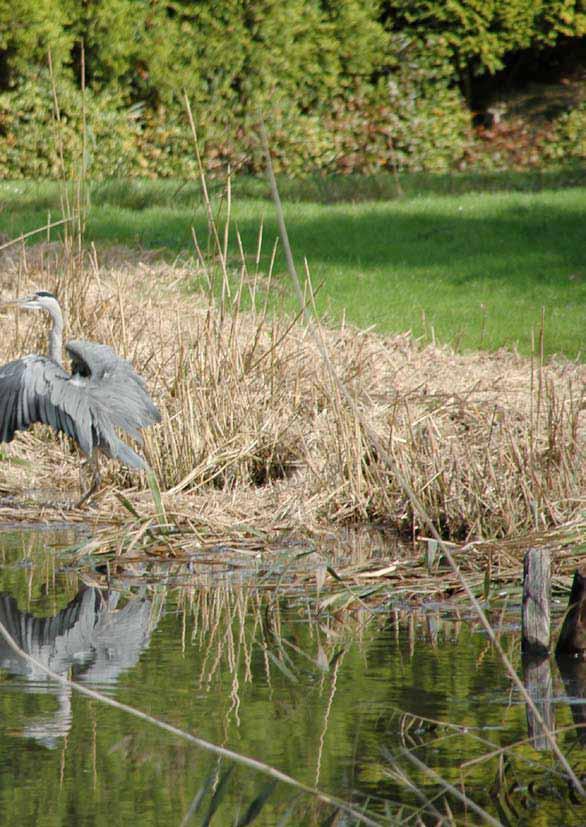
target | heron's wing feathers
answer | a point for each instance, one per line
(102, 395)
(115, 390)
(36, 389)
(93, 359)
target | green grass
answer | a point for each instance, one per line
(139, 194)
(472, 268)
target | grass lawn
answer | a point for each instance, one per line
(468, 266)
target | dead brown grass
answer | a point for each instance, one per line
(254, 429)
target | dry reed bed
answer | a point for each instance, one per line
(255, 431)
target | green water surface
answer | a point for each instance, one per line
(339, 702)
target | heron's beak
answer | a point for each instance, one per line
(29, 302)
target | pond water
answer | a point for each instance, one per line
(368, 705)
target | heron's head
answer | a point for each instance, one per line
(41, 300)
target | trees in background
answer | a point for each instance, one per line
(343, 85)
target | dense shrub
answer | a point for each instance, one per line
(27, 31)
(35, 143)
(343, 85)
(476, 35)
(569, 137)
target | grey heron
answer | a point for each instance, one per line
(102, 394)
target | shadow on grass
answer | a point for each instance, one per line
(536, 240)
(455, 260)
(144, 193)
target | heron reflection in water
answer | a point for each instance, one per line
(102, 394)
(93, 640)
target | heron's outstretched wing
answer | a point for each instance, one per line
(103, 394)
(31, 390)
(116, 391)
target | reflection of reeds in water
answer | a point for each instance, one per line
(245, 637)
(228, 626)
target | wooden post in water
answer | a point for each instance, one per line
(536, 603)
(572, 639)
(535, 642)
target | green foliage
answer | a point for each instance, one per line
(36, 143)
(569, 137)
(476, 35)
(427, 122)
(27, 31)
(293, 62)
(114, 42)
(343, 86)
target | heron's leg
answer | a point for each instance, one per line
(93, 464)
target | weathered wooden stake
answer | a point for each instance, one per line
(572, 639)
(536, 602)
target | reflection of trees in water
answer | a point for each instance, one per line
(91, 640)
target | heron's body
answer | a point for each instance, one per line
(102, 394)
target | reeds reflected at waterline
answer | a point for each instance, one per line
(385, 708)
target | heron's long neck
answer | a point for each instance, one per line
(56, 335)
